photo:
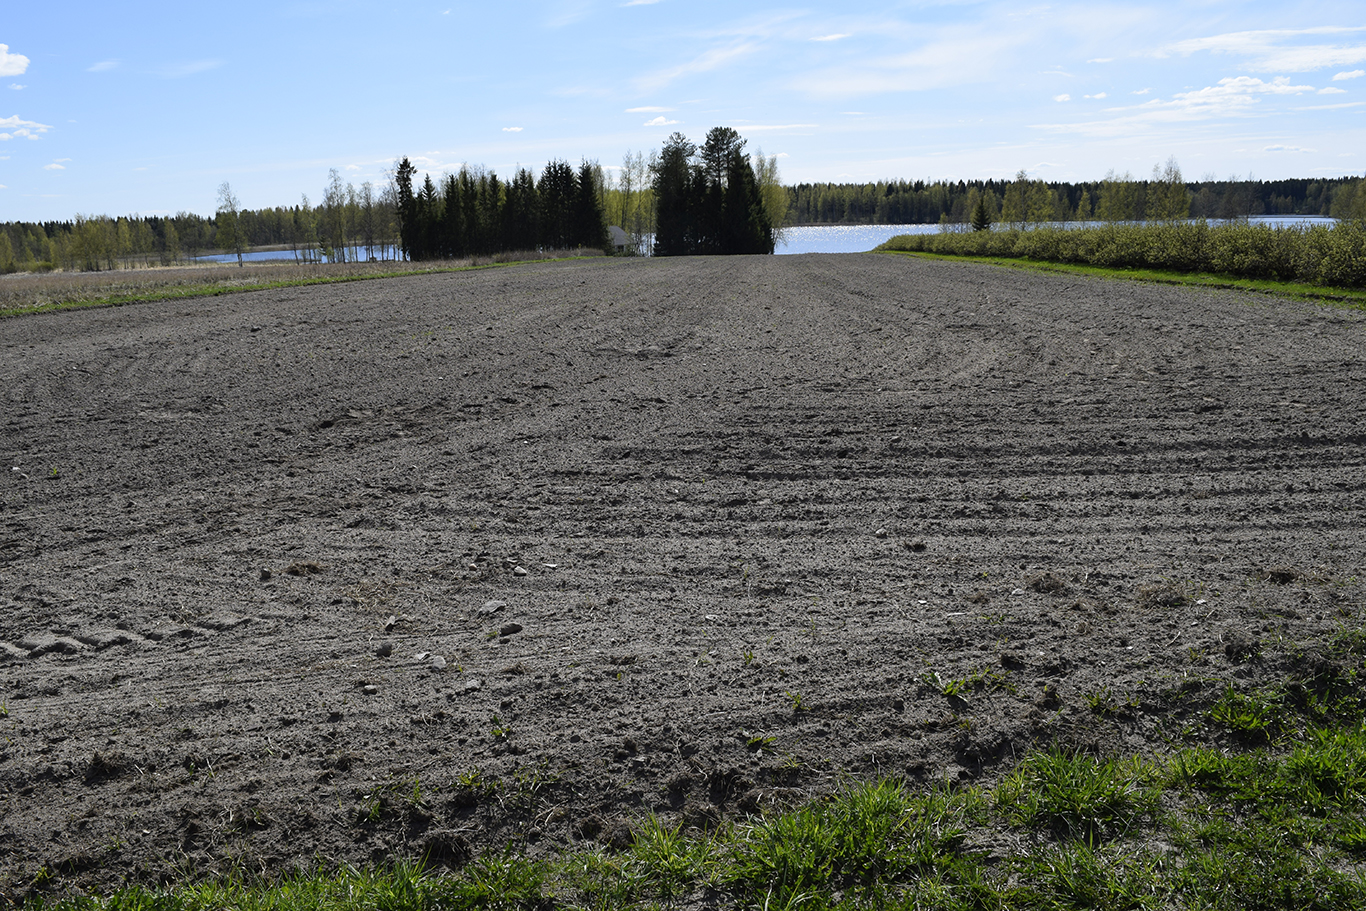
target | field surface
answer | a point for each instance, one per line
(434, 565)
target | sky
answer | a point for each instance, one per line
(141, 107)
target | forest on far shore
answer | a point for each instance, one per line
(364, 223)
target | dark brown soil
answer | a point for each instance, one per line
(431, 565)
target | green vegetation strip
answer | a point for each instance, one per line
(1266, 827)
(151, 288)
(1309, 259)
(1337, 296)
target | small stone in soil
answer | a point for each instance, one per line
(370, 689)
(507, 629)
(385, 649)
(438, 663)
(492, 607)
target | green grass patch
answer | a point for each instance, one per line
(1279, 826)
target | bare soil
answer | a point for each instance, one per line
(433, 565)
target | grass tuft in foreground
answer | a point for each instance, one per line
(1276, 827)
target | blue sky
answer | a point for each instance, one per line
(117, 108)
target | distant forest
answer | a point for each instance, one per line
(473, 211)
(1116, 198)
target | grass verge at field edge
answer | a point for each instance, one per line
(215, 289)
(1276, 826)
(1334, 296)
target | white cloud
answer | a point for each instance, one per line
(1141, 92)
(1286, 149)
(1354, 74)
(659, 122)
(1097, 96)
(1270, 52)
(567, 12)
(192, 68)
(831, 37)
(1232, 97)
(12, 64)
(648, 109)
(102, 67)
(1101, 60)
(56, 165)
(762, 128)
(1062, 97)
(1331, 107)
(3, 187)
(711, 60)
(17, 87)
(1332, 90)
(352, 167)
(512, 129)
(13, 127)
(932, 60)
(641, 3)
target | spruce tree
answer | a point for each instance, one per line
(673, 184)
(981, 215)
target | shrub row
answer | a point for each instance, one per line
(1315, 254)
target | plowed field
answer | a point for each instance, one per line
(431, 565)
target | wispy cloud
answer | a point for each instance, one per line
(1140, 91)
(1272, 50)
(1286, 149)
(103, 66)
(56, 165)
(659, 122)
(640, 3)
(832, 37)
(772, 127)
(1063, 97)
(1097, 96)
(1331, 107)
(648, 109)
(1101, 60)
(14, 128)
(714, 59)
(512, 129)
(1354, 74)
(190, 68)
(1332, 90)
(12, 64)
(17, 87)
(1235, 96)
(929, 63)
(567, 12)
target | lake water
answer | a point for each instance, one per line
(821, 238)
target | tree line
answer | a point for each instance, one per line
(1116, 197)
(685, 198)
(348, 224)
(474, 213)
(708, 198)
